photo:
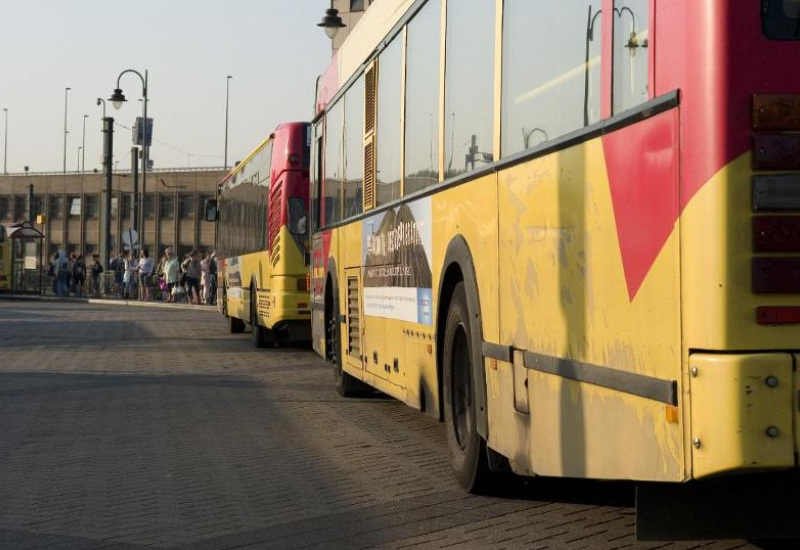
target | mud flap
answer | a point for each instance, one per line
(748, 507)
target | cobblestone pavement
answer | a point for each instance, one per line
(133, 427)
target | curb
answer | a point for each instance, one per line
(104, 302)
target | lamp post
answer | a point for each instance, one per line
(5, 144)
(105, 212)
(589, 39)
(83, 145)
(117, 99)
(66, 98)
(227, 90)
(331, 22)
(78, 162)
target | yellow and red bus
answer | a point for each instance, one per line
(262, 239)
(571, 231)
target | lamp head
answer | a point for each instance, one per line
(117, 98)
(331, 23)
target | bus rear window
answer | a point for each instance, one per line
(781, 19)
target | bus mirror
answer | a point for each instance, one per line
(212, 210)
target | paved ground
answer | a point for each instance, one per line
(126, 427)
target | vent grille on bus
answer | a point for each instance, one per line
(353, 319)
(370, 82)
(370, 90)
(275, 196)
(369, 174)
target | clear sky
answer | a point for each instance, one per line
(273, 49)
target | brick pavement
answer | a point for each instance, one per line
(135, 427)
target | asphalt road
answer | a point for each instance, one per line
(131, 427)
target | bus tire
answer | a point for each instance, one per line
(235, 326)
(261, 335)
(466, 447)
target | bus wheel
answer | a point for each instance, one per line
(235, 326)
(261, 335)
(466, 447)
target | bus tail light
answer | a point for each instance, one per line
(776, 112)
(776, 275)
(776, 152)
(778, 315)
(776, 234)
(780, 192)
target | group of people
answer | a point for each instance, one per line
(136, 275)
(172, 279)
(69, 272)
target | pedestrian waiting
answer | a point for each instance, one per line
(96, 270)
(191, 267)
(172, 274)
(146, 268)
(129, 276)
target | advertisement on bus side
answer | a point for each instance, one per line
(397, 257)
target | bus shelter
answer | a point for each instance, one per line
(21, 260)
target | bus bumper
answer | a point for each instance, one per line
(743, 443)
(743, 412)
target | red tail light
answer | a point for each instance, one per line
(778, 315)
(776, 234)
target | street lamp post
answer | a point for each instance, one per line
(227, 90)
(83, 145)
(5, 144)
(118, 98)
(105, 212)
(66, 98)
(78, 162)
(331, 22)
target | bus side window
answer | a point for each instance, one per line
(316, 183)
(298, 219)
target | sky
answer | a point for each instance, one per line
(272, 48)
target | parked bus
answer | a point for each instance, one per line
(571, 231)
(262, 239)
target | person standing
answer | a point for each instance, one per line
(62, 274)
(97, 271)
(192, 268)
(129, 276)
(205, 278)
(117, 265)
(146, 268)
(53, 272)
(172, 273)
(79, 275)
(212, 268)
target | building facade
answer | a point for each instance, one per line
(70, 203)
(350, 11)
